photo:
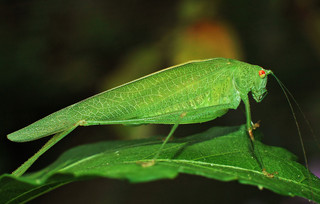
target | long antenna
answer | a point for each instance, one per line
(295, 120)
(286, 92)
(304, 116)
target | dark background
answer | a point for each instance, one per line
(54, 53)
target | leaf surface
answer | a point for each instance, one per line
(222, 153)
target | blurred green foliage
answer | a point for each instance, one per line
(55, 53)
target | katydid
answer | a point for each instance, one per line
(193, 92)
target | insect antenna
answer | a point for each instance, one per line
(287, 93)
(284, 90)
(304, 116)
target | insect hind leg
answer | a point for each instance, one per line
(56, 138)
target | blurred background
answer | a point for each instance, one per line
(54, 53)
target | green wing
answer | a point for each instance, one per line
(202, 89)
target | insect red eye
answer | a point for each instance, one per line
(262, 74)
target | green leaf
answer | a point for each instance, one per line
(220, 153)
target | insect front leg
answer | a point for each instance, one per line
(245, 100)
(250, 128)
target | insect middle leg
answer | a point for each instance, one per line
(173, 129)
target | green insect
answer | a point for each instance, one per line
(193, 92)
